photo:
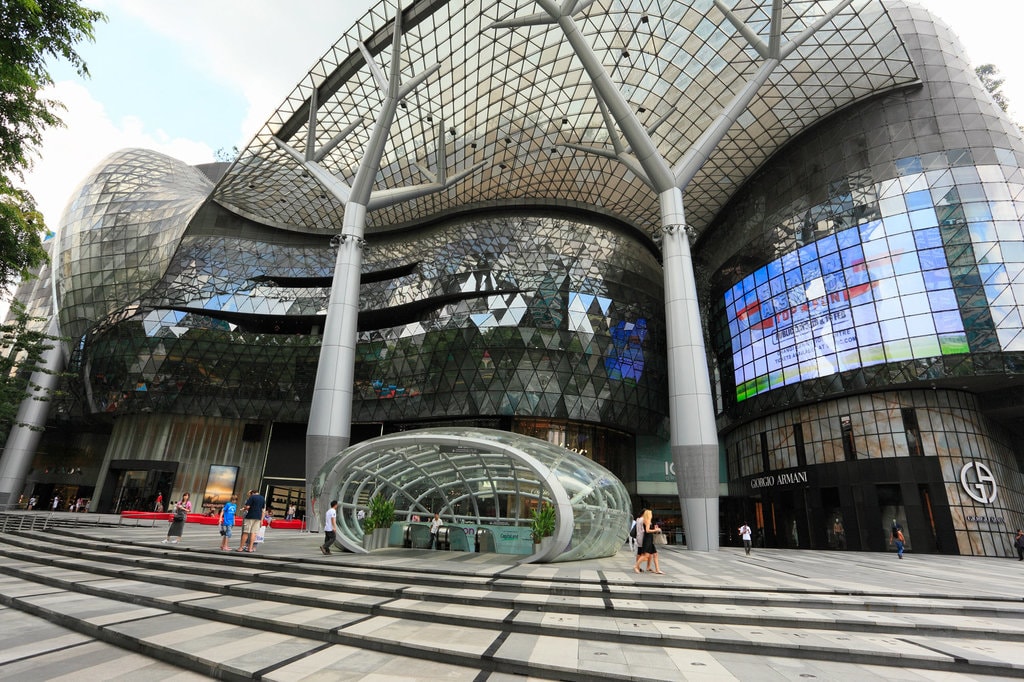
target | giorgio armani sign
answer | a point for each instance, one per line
(778, 480)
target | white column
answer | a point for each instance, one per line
(23, 440)
(694, 436)
(330, 418)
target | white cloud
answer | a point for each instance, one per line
(256, 47)
(68, 154)
(989, 31)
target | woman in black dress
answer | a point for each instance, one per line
(647, 548)
(181, 511)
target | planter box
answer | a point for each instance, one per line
(544, 543)
(377, 539)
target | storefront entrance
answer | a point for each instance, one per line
(846, 506)
(134, 485)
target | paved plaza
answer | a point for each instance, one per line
(99, 601)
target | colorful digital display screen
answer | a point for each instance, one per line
(626, 358)
(879, 292)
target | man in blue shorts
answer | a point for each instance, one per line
(227, 522)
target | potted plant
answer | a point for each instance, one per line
(378, 522)
(543, 524)
(367, 526)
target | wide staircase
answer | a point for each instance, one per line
(402, 614)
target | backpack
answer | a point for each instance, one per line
(632, 531)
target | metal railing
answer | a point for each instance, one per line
(14, 521)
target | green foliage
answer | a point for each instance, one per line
(21, 351)
(543, 523)
(21, 230)
(225, 155)
(382, 513)
(989, 75)
(31, 32)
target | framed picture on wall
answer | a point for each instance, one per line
(220, 484)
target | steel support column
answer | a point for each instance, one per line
(694, 436)
(28, 427)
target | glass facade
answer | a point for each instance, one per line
(119, 232)
(879, 292)
(897, 268)
(928, 196)
(521, 102)
(522, 316)
(517, 315)
(952, 432)
(856, 237)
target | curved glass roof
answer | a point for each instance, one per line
(119, 233)
(515, 99)
(480, 477)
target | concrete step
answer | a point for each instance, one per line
(460, 619)
(991, 619)
(32, 648)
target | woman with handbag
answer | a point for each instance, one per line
(181, 511)
(647, 550)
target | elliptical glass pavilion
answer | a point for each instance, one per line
(758, 259)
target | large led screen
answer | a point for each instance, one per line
(879, 292)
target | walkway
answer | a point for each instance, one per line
(112, 602)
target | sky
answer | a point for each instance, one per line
(191, 77)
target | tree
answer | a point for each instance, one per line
(31, 32)
(989, 75)
(227, 155)
(22, 345)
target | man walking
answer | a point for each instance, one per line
(1018, 544)
(745, 534)
(330, 528)
(896, 538)
(254, 507)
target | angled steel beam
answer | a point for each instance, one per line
(330, 420)
(332, 183)
(699, 152)
(439, 179)
(694, 435)
(656, 169)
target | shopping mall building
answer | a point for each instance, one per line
(763, 261)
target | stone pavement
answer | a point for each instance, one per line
(104, 601)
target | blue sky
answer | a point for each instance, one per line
(138, 72)
(190, 77)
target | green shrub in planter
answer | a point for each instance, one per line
(382, 514)
(543, 524)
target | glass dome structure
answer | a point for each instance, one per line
(480, 479)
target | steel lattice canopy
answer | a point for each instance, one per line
(516, 98)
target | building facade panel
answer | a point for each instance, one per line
(879, 250)
(857, 237)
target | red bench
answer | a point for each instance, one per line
(207, 520)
